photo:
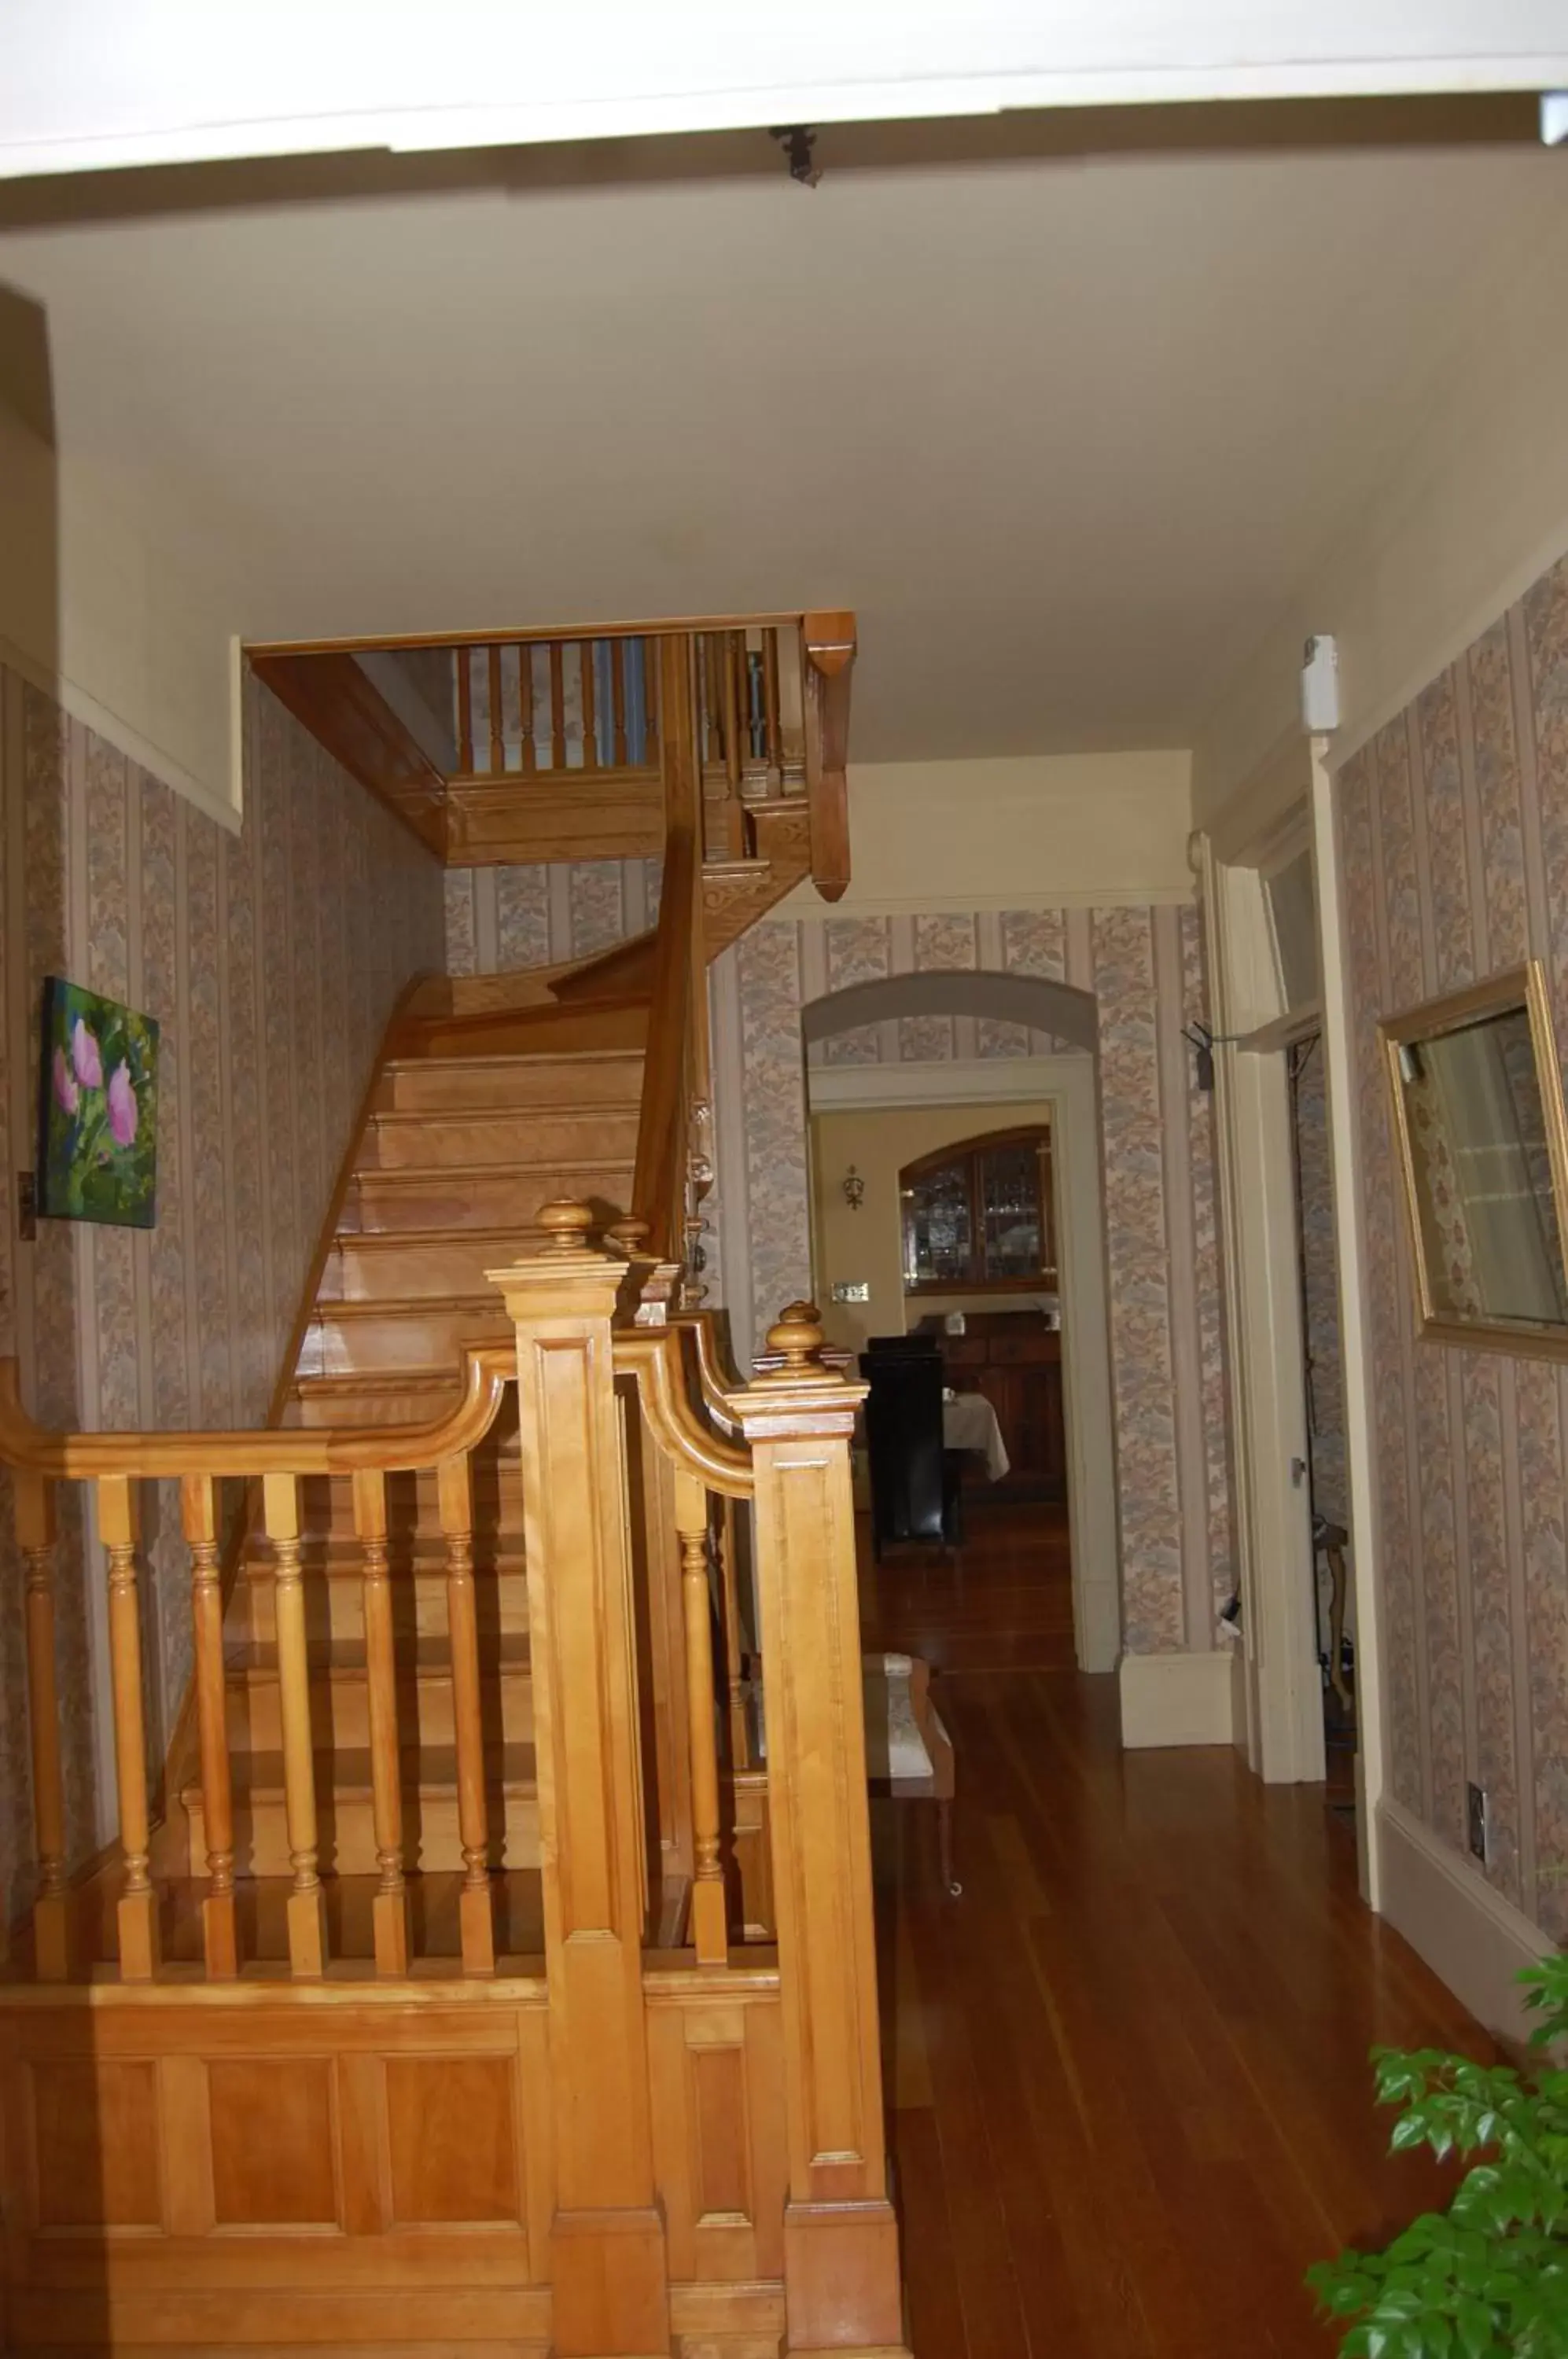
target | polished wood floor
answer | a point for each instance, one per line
(1128, 2068)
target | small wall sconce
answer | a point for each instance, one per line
(853, 1189)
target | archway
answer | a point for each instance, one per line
(1059, 1074)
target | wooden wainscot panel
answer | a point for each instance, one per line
(454, 2139)
(92, 2159)
(717, 2074)
(274, 2142)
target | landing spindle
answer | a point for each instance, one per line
(709, 1929)
(498, 714)
(307, 1906)
(619, 701)
(590, 715)
(220, 1940)
(138, 1911)
(557, 707)
(389, 1908)
(455, 1481)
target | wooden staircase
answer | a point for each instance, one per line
(456, 1155)
(479, 1991)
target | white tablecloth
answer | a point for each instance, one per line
(969, 1422)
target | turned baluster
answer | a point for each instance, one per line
(138, 1911)
(709, 1929)
(454, 1483)
(619, 701)
(590, 717)
(36, 1538)
(732, 686)
(307, 1906)
(525, 703)
(774, 747)
(197, 1508)
(497, 716)
(735, 1654)
(557, 707)
(389, 1909)
(650, 702)
(464, 712)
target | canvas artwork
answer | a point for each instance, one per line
(98, 1128)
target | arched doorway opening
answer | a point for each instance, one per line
(1053, 1085)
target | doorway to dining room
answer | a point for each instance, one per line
(1023, 1349)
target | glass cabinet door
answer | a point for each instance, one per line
(1012, 1244)
(938, 1229)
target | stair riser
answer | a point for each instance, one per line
(569, 1085)
(334, 1607)
(343, 1704)
(419, 1141)
(417, 1266)
(502, 1198)
(431, 1837)
(409, 1335)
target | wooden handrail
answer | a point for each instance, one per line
(675, 1073)
(652, 1355)
(259, 1451)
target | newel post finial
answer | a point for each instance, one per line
(567, 1225)
(797, 1338)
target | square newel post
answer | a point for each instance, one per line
(607, 2261)
(841, 2245)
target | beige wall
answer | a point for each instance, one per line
(1472, 509)
(271, 959)
(124, 609)
(869, 1244)
(1103, 828)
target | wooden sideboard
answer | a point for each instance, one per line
(1015, 1360)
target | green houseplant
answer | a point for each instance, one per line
(1490, 2274)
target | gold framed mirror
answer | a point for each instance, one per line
(1478, 1114)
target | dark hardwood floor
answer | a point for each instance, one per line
(1126, 2069)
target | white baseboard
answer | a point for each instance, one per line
(1176, 1699)
(1472, 1938)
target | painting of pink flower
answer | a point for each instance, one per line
(122, 1105)
(98, 1109)
(84, 1056)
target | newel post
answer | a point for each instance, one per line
(841, 2245)
(607, 2260)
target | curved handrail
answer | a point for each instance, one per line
(714, 1381)
(272, 1449)
(647, 1354)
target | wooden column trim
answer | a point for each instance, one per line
(841, 2278)
(608, 2259)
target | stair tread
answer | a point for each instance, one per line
(380, 1305)
(343, 1774)
(342, 1659)
(503, 1058)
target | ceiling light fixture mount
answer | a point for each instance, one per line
(798, 139)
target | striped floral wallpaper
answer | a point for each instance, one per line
(1144, 967)
(272, 960)
(1453, 853)
(497, 919)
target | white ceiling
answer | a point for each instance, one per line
(1061, 434)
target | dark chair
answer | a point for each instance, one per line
(914, 1480)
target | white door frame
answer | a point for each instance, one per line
(1278, 1693)
(1068, 1085)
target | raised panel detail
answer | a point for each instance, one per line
(454, 2136)
(272, 2142)
(95, 2153)
(724, 2177)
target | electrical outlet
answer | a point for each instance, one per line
(1475, 1820)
